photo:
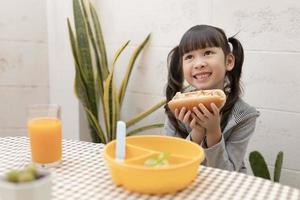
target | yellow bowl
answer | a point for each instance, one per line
(184, 160)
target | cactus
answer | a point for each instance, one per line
(278, 166)
(259, 166)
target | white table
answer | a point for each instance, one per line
(84, 175)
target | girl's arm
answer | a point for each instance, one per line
(197, 134)
(230, 154)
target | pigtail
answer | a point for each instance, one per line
(235, 74)
(175, 76)
(234, 87)
(174, 85)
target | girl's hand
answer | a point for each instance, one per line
(185, 116)
(189, 118)
(210, 121)
(198, 132)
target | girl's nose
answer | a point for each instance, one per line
(199, 63)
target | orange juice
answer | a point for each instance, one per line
(45, 139)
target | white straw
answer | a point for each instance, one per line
(120, 141)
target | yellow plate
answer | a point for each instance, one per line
(184, 160)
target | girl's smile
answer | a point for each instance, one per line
(202, 76)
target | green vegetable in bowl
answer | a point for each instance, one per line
(13, 175)
(158, 161)
(28, 174)
(25, 176)
(32, 169)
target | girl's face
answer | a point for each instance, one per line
(206, 68)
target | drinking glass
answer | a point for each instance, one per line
(44, 130)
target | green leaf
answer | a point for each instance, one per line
(111, 103)
(116, 115)
(258, 165)
(107, 104)
(163, 156)
(151, 162)
(158, 161)
(84, 56)
(99, 79)
(80, 90)
(143, 128)
(100, 42)
(80, 87)
(110, 107)
(95, 124)
(73, 43)
(129, 69)
(118, 53)
(278, 166)
(144, 114)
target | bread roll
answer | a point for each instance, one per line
(193, 99)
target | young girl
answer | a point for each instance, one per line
(206, 59)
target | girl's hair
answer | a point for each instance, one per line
(199, 37)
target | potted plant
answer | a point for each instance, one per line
(27, 184)
(94, 79)
(260, 169)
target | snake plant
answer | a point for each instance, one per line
(94, 79)
(259, 166)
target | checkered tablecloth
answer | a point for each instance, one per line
(83, 174)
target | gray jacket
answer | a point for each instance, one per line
(229, 153)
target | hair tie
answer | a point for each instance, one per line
(230, 46)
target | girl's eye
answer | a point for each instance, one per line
(206, 53)
(187, 57)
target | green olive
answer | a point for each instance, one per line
(29, 173)
(13, 176)
(26, 176)
(31, 169)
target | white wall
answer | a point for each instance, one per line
(23, 62)
(28, 37)
(269, 31)
(61, 67)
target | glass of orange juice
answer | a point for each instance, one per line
(44, 130)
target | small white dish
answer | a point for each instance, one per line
(32, 190)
